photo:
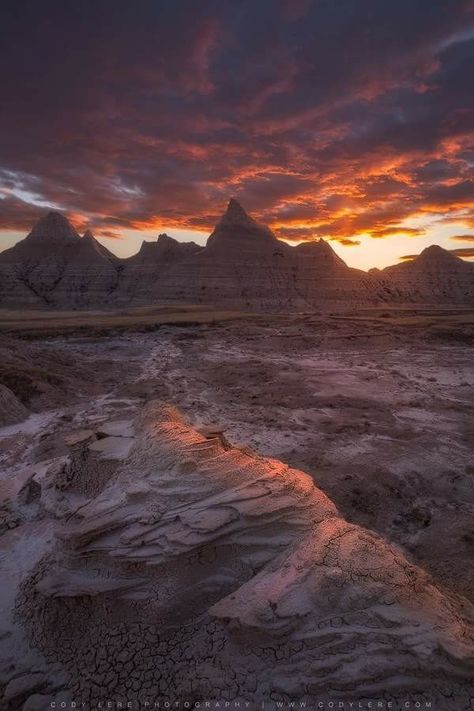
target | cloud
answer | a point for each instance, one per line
(16, 214)
(349, 242)
(321, 123)
(108, 234)
(463, 252)
(390, 231)
(463, 238)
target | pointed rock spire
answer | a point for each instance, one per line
(53, 227)
(235, 213)
(237, 228)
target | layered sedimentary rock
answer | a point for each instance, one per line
(194, 570)
(324, 278)
(54, 266)
(144, 272)
(435, 275)
(243, 266)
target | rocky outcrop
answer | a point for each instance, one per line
(53, 266)
(144, 272)
(323, 278)
(243, 266)
(199, 570)
(11, 409)
(435, 276)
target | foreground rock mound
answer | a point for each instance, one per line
(185, 568)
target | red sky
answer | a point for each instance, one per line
(351, 121)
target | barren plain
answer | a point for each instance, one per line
(377, 407)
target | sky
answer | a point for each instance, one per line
(351, 120)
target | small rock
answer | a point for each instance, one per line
(37, 702)
(23, 684)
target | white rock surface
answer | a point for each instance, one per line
(205, 570)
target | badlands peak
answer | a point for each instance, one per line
(165, 239)
(235, 213)
(54, 227)
(435, 253)
(165, 246)
(320, 249)
(237, 228)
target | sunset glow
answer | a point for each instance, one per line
(348, 121)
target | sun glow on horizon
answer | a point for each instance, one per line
(361, 250)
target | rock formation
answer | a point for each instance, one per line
(323, 278)
(435, 276)
(11, 409)
(189, 569)
(144, 272)
(243, 266)
(54, 266)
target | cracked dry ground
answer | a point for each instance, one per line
(189, 568)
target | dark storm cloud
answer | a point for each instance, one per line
(324, 118)
(17, 214)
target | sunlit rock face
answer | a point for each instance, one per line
(435, 276)
(54, 266)
(209, 571)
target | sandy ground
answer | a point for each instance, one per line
(378, 408)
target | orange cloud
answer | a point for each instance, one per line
(463, 238)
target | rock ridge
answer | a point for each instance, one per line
(243, 266)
